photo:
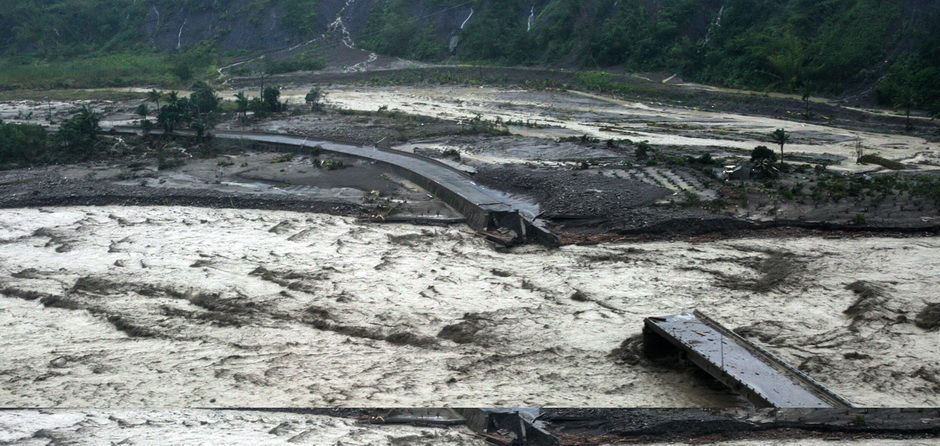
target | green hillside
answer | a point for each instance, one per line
(831, 47)
(883, 49)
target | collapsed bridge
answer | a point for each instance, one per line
(483, 211)
(758, 375)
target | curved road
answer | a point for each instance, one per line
(483, 210)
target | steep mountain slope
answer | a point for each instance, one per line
(830, 46)
(74, 27)
(820, 46)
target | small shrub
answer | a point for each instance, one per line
(331, 165)
(146, 126)
(284, 158)
(167, 161)
(452, 154)
(643, 150)
(691, 199)
(585, 139)
(706, 159)
(763, 153)
(22, 143)
(314, 98)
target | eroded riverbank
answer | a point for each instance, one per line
(369, 427)
(576, 160)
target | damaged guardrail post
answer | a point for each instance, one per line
(495, 424)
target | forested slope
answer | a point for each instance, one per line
(830, 47)
(885, 49)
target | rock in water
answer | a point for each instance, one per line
(929, 317)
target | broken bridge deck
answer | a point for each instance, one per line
(761, 377)
(482, 210)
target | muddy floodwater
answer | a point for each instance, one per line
(172, 306)
(236, 428)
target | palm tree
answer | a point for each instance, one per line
(169, 118)
(764, 162)
(807, 93)
(155, 97)
(241, 101)
(143, 110)
(780, 136)
(80, 134)
(172, 97)
(765, 168)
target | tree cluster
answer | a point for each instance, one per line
(799, 46)
(197, 112)
(260, 107)
(78, 139)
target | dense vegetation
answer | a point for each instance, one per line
(95, 43)
(828, 47)
(393, 29)
(77, 139)
(308, 61)
(21, 144)
(801, 46)
(57, 28)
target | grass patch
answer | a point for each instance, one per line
(604, 82)
(308, 61)
(115, 70)
(71, 95)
